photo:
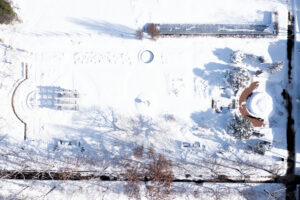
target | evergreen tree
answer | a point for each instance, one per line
(240, 127)
(238, 78)
(7, 14)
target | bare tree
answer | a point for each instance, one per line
(160, 172)
(156, 170)
(153, 30)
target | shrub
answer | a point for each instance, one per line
(7, 15)
(138, 152)
(139, 34)
(262, 146)
(275, 67)
(261, 59)
(240, 127)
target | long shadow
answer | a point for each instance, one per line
(223, 54)
(276, 53)
(109, 121)
(96, 136)
(89, 145)
(214, 121)
(96, 118)
(284, 99)
(296, 97)
(143, 125)
(211, 119)
(97, 146)
(103, 27)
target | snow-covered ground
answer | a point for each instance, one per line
(114, 102)
(93, 189)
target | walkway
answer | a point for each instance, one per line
(243, 107)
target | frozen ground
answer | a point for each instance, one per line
(90, 47)
(18, 189)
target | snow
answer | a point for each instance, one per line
(260, 105)
(107, 190)
(90, 47)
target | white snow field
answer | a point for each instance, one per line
(92, 96)
(93, 189)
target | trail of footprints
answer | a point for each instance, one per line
(103, 58)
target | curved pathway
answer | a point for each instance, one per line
(12, 100)
(257, 122)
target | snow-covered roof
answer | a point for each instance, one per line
(211, 29)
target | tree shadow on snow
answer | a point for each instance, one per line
(100, 135)
(275, 84)
(275, 50)
(216, 122)
(98, 146)
(103, 27)
(214, 73)
(250, 59)
(210, 119)
(109, 121)
(223, 54)
(142, 124)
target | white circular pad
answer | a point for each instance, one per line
(260, 105)
(146, 56)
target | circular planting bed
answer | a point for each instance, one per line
(146, 56)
